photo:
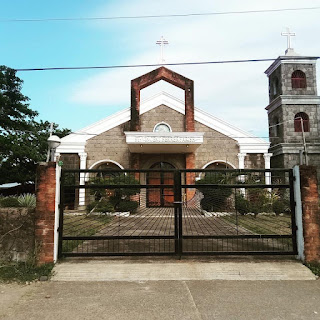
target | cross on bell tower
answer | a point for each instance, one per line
(288, 34)
(162, 42)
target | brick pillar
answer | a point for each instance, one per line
(190, 176)
(189, 106)
(45, 211)
(310, 213)
(135, 107)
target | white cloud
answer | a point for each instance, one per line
(236, 92)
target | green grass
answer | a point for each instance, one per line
(23, 271)
(82, 225)
(262, 224)
(314, 267)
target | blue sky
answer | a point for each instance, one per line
(236, 93)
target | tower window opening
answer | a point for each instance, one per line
(276, 129)
(301, 121)
(275, 86)
(298, 80)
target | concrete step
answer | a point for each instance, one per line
(106, 270)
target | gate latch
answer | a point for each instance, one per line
(178, 202)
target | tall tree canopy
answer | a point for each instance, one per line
(23, 140)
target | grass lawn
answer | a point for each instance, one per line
(262, 224)
(81, 225)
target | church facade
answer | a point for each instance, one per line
(162, 133)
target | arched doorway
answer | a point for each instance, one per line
(160, 196)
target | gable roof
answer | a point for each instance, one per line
(75, 142)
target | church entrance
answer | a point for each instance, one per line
(161, 196)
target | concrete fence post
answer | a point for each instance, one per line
(298, 213)
(45, 212)
(310, 213)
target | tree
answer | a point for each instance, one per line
(23, 140)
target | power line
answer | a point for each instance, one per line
(157, 65)
(158, 16)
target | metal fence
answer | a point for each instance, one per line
(176, 212)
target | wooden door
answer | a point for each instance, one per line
(159, 196)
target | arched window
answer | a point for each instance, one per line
(301, 120)
(275, 86)
(276, 129)
(162, 127)
(298, 80)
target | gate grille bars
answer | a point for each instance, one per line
(189, 212)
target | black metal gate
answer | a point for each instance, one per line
(108, 212)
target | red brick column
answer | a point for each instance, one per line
(189, 106)
(190, 176)
(310, 213)
(45, 211)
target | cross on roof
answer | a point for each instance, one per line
(162, 42)
(288, 34)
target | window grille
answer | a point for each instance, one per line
(305, 122)
(298, 80)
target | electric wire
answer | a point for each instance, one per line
(159, 65)
(179, 15)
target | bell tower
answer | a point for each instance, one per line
(293, 110)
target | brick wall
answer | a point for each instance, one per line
(310, 213)
(45, 211)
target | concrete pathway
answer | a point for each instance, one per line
(186, 270)
(164, 300)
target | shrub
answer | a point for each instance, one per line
(127, 206)
(242, 204)
(10, 202)
(214, 199)
(100, 206)
(279, 206)
(27, 200)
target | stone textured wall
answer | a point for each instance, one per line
(45, 211)
(310, 213)
(70, 160)
(216, 146)
(310, 72)
(162, 113)
(276, 132)
(17, 234)
(109, 145)
(289, 111)
(286, 133)
(254, 161)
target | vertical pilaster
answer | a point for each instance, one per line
(82, 191)
(310, 213)
(45, 211)
(267, 157)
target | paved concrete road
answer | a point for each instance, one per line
(162, 300)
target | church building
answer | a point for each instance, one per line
(162, 132)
